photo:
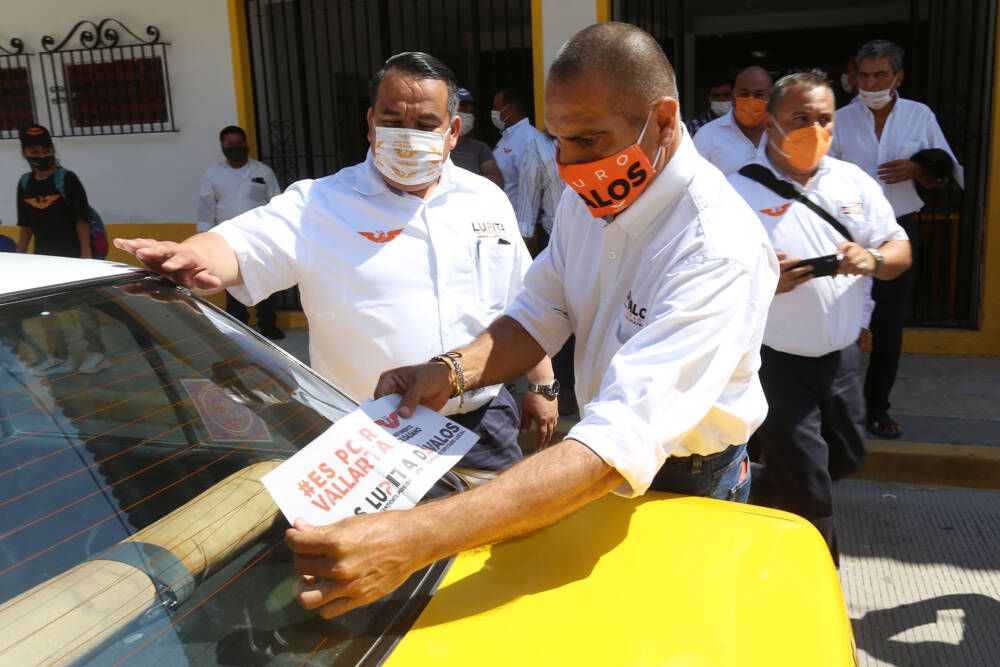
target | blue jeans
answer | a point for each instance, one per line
(723, 476)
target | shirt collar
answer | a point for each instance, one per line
(370, 182)
(515, 126)
(664, 191)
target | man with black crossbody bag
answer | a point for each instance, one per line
(831, 227)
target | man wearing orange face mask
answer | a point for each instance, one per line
(831, 227)
(735, 139)
(660, 270)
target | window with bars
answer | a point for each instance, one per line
(111, 81)
(17, 106)
(121, 92)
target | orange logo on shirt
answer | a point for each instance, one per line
(380, 236)
(775, 212)
(42, 202)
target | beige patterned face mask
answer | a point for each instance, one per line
(408, 157)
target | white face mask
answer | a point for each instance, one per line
(498, 122)
(468, 122)
(876, 99)
(720, 107)
(408, 157)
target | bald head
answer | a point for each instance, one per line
(634, 68)
(752, 81)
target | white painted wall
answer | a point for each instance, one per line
(139, 177)
(561, 19)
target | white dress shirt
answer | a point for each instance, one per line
(540, 186)
(668, 303)
(386, 278)
(226, 192)
(822, 315)
(723, 143)
(509, 153)
(910, 127)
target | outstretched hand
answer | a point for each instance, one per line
(354, 561)
(176, 261)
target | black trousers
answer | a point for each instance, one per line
(267, 316)
(891, 300)
(812, 433)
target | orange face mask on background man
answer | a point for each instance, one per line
(750, 111)
(804, 147)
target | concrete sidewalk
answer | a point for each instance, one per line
(949, 407)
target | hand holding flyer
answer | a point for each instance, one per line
(372, 460)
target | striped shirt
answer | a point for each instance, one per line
(539, 186)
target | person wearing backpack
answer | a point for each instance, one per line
(52, 209)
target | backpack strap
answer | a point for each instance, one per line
(61, 181)
(764, 176)
(23, 183)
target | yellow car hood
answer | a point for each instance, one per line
(656, 580)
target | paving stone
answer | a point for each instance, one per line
(920, 570)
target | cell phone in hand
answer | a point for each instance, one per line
(821, 266)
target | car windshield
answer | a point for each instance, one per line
(133, 526)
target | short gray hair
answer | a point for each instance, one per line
(882, 48)
(629, 56)
(813, 78)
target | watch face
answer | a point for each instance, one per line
(554, 390)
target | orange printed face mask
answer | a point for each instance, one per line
(804, 147)
(609, 185)
(749, 110)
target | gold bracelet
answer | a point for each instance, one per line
(451, 359)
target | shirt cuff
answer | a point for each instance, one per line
(624, 442)
(251, 291)
(551, 343)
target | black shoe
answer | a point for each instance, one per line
(274, 333)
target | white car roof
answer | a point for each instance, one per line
(21, 272)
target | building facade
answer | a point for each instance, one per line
(136, 112)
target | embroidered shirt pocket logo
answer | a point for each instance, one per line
(381, 236)
(776, 211)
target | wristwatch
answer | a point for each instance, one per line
(550, 390)
(877, 256)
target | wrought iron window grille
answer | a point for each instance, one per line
(17, 103)
(104, 79)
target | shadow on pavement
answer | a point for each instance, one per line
(894, 635)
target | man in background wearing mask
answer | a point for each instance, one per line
(881, 135)
(665, 277)
(509, 115)
(811, 364)
(235, 185)
(734, 139)
(471, 153)
(394, 258)
(720, 102)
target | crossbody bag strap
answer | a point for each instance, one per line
(764, 176)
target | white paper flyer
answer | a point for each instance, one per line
(371, 460)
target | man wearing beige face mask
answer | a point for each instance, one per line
(397, 259)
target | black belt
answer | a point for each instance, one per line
(696, 461)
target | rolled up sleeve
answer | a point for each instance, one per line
(668, 378)
(269, 245)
